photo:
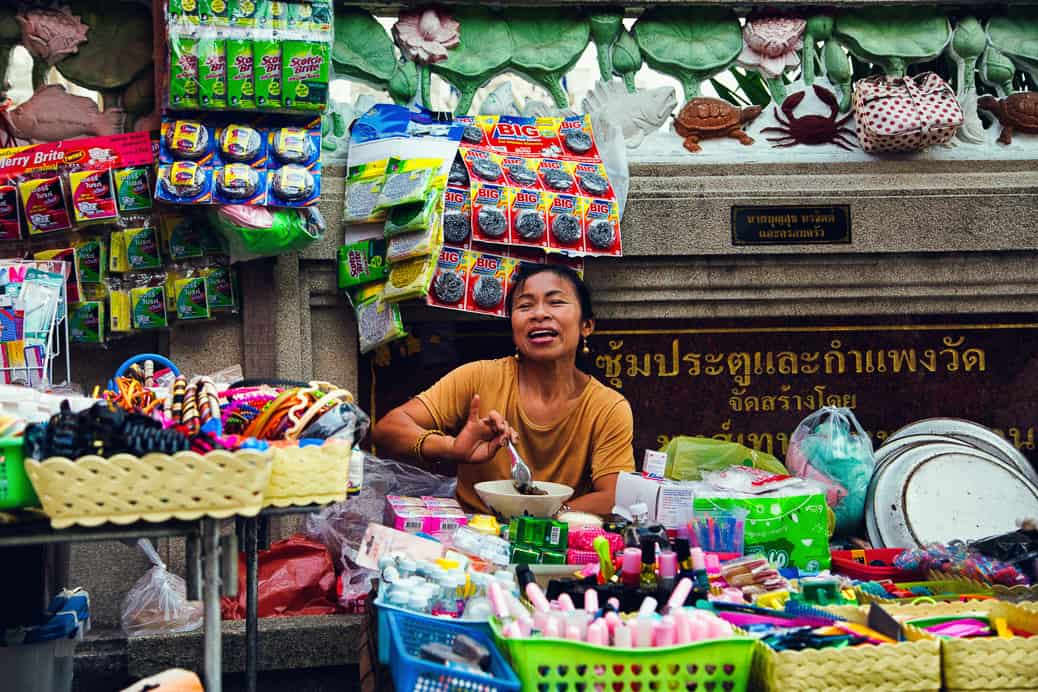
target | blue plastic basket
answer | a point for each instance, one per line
(469, 627)
(411, 673)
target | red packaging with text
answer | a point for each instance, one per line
(602, 227)
(577, 139)
(457, 217)
(558, 176)
(483, 166)
(489, 213)
(521, 171)
(593, 181)
(565, 222)
(488, 284)
(10, 221)
(450, 282)
(527, 217)
(526, 136)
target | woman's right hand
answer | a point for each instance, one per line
(481, 438)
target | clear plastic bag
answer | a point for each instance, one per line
(830, 446)
(340, 527)
(613, 150)
(157, 603)
(689, 457)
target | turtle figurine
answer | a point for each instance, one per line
(1017, 111)
(707, 118)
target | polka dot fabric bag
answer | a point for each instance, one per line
(905, 113)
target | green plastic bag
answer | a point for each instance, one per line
(789, 531)
(252, 232)
(688, 457)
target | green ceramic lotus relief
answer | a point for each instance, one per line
(966, 47)
(690, 44)
(1016, 36)
(118, 45)
(362, 49)
(838, 69)
(819, 28)
(893, 37)
(484, 50)
(627, 59)
(403, 85)
(996, 70)
(605, 28)
(546, 44)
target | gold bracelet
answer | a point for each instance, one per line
(416, 451)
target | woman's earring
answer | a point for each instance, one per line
(516, 353)
(586, 351)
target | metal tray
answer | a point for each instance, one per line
(942, 492)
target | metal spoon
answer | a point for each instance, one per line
(521, 476)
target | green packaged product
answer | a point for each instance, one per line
(525, 556)
(241, 77)
(90, 261)
(184, 11)
(142, 248)
(243, 13)
(212, 78)
(407, 182)
(417, 216)
(790, 531)
(321, 15)
(182, 237)
(219, 287)
(133, 191)
(553, 557)
(362, 262)
(183, 73)
(87, 322)
(378, 322)
(300, 16)
(214, 12)
(267, 70)
(148, 307)
(304, 69)
(278, 14)
(192, 298)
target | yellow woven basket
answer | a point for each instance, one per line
(988, 663)
(911, 666)
(156, 487)
(308, 475)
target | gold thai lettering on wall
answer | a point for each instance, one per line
(777, 443)
(622, 361)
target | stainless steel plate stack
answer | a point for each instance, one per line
(943, 479)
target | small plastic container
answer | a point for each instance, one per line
(468, 626)
(858, 564)
(15, 487)
(408, 633)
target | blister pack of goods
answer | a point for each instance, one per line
(258, 161)
(68, 185)
(248, 55)
(533, 182)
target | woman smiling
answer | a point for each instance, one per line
(567, 426)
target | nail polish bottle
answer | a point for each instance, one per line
(647, 582)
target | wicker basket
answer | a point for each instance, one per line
(984, 663)
(308, 475)
(911, 666)
(156, 487)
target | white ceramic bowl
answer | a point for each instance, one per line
(503, 499)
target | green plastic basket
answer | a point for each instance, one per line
(15, 488)
(564, 666)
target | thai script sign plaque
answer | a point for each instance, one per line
(791, 225)
(753, 381)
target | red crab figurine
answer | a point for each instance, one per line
(811, 129)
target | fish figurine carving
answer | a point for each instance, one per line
(53, 114)
(638, 114)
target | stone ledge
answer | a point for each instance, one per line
(285, 644)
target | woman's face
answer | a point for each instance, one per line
(546, 322)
